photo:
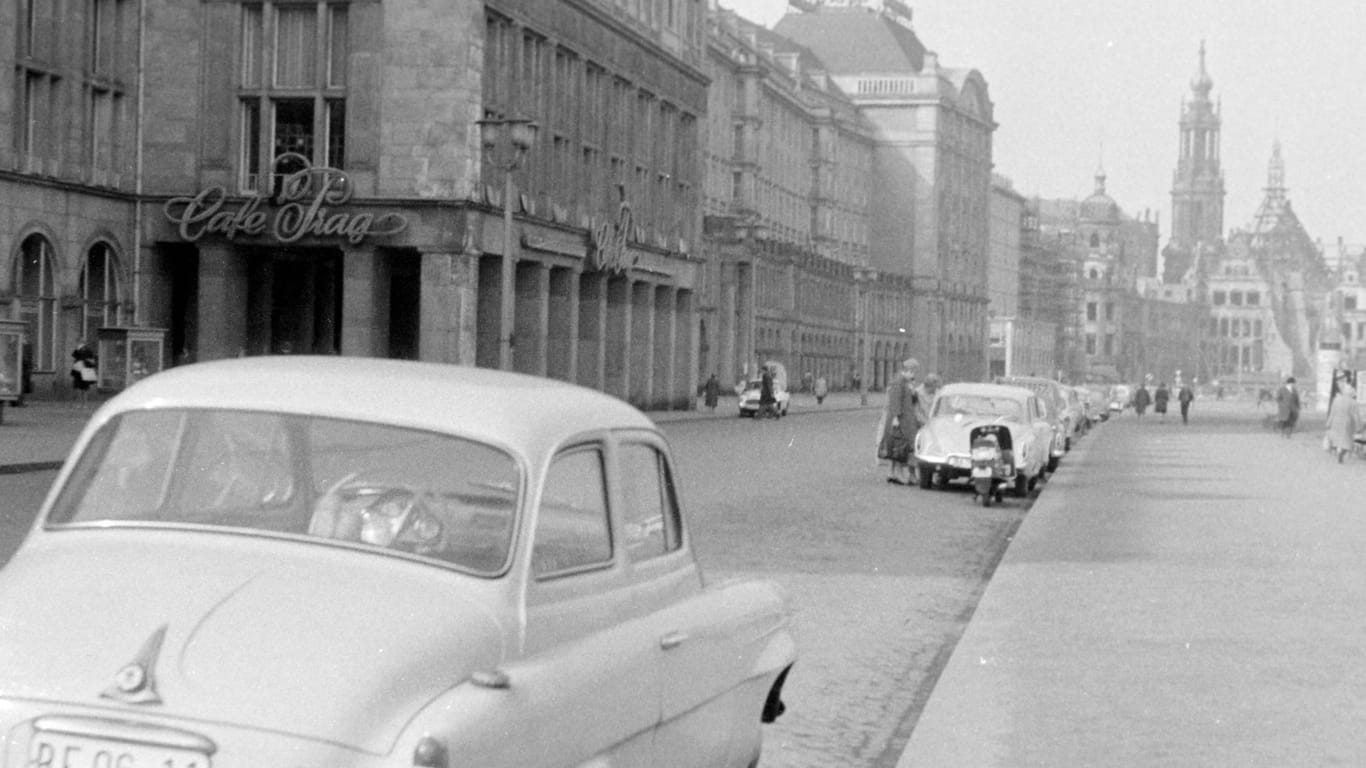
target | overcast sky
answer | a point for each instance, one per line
(1079, 84)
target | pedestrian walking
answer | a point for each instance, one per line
(711, 392)
(1141, 400)
(900, 422)
(768, 401)
(1343, 422)
(1287, 406)
(1185, 397)
(84, 371)
(1160, 399)
(822, 389)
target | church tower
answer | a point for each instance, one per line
(1198, 183)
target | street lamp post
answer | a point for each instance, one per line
(862, 278)
(508, 140)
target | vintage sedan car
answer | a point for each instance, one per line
(323, 562)
(943, 449)
(1054, 404)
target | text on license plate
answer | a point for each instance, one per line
(59, 750)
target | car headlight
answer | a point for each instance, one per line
(430, 753)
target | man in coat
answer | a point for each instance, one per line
(1343, 424)
(1287, 406)
(1141, 400)
(1184, 397)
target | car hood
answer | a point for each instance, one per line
(310, 640)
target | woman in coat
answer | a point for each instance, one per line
(1343, 423)
(901, 413)
(1160, 398)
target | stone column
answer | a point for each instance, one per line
(592, 330)
(744, 306)
(563, 326)
(642, 343)
(222, 302)
(438, 335)
(663, 391)
(685, 346)
(727, 329)
(530, 317)
(617, 338)
(365, 328)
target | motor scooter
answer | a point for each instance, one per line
(993, 464)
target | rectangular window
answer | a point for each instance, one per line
(1253, 298)
(252, 31)
(1348, 302)
(251, 145)
(1091, 311)
(296, 46)
(650, 521)
(1220, 298)
(572, 526)
(1109, 344)
(1235, 298)
(337, 46)
(336, 133)
(1109, 310)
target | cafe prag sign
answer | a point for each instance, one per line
(608, 243)
(305, 206)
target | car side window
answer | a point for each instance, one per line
(649, 504)
(572, 530)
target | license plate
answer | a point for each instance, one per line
(60, 750)
(958, 462)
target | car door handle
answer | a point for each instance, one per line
(672, 640)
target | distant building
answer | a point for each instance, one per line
(1198, 182)
(1268, 289)
(930, 219)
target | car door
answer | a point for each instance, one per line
(693, 632)
(590, 676)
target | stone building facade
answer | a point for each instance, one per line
(278, 178)
(786, 205)
(930, 216)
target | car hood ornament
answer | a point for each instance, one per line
(135, 682)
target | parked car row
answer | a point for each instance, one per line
(1003, 436)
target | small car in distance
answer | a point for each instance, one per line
(749, 396)
(326, 561)
(943, 446)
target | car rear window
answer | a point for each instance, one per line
(376, 486)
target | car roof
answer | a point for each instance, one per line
(521, 411)
(987, 390)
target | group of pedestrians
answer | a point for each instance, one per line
(1161, 397)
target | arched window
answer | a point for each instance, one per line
(99, 291)
(36, 287)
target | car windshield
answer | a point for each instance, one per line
(380, 487)
(977, 405)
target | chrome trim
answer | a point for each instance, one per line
(125, 732)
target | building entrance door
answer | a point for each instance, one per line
(294, 300)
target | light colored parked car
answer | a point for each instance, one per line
(943, 448)
(1054, 404)
(329, 562)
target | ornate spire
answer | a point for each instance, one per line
(1275, 174)
(1202, 83)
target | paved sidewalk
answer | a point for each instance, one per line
(39, 435)
(1184, 596)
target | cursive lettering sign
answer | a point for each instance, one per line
(301, 209)
(609, 241)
